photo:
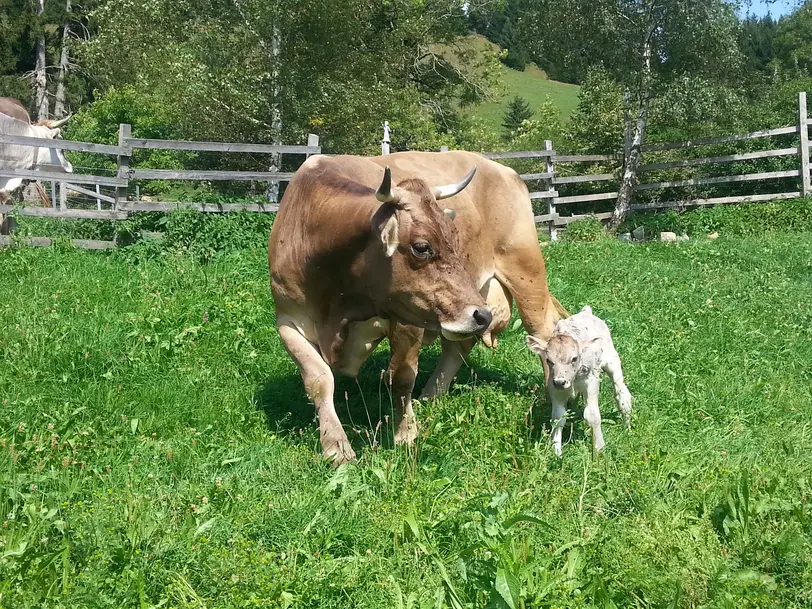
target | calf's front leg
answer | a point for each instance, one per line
(592, 414)
(319, 385)
(558, 420)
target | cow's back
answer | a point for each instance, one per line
(13, 108)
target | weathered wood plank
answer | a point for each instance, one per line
(717, 201)
(91, 193)
(47, 212)
(172, 174)
(528, 177)
(90, 244)
(748, 177)
(719, 140)
(803, 126)
(598, 177)
(59, 144)
(220, 146)
(165, 206)
(586, 158)
(603, 196)
(60, 176)
(544, 194)
(543, 218)
(564, 220)
(523, 154)
(731, 158)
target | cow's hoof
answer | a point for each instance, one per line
(338, 452)
(406, 435)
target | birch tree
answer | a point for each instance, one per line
(645, 45)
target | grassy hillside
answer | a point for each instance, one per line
(157, 448)
(532, 84)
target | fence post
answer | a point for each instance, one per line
(124, 133)
(443, 148)
(385, 141)
(312, 140)
(63, 196)
(549, 167)
(803, 126)
(98, 201)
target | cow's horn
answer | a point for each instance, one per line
(384, 192)
(60, 122)
(443, 192)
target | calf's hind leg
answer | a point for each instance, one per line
(622, 395)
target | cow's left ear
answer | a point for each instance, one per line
(385, 226)
(450, 213)
(54, 133)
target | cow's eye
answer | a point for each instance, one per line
(421, 249)
(574, 359)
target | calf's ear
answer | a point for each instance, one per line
(385, 226)
(536, 345)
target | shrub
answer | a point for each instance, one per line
(729, 219)
(588, 229)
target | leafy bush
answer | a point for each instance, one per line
(787, 216)
(588, 229)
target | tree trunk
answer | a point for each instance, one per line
(41, 80)
(272, 193)
(64, 58)
(633, 152)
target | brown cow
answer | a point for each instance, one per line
(13, 108)
(351, 265)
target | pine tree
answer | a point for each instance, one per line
(516, 113)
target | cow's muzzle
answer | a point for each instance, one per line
(473, 322)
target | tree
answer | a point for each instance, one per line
(518, 111)
(645, 45)
(337, 69)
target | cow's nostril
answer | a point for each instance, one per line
(483, 317)
(559, 383)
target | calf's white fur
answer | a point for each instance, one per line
(579, 349)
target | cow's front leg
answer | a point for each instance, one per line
(404, 345)
(454, 354)
(319, 385)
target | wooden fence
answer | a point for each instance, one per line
(561, 185)
(119, 205)
(561, 172)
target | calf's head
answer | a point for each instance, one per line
(563, 356)
(416, 271)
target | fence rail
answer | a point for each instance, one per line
(568, 180)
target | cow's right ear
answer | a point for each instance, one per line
(536, 345)
(54, 133)
(386, 227)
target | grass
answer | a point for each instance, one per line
(157, 450)
(532, 84)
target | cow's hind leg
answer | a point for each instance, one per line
(404, 344)
(452, 357)
(319, 385)
(523, 273)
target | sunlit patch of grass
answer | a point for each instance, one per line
(157, 449)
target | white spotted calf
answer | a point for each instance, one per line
(578, 350)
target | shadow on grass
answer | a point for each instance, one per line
(364, 405)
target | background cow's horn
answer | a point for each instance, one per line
(384, 192)
(443, 192)
(60, 122)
